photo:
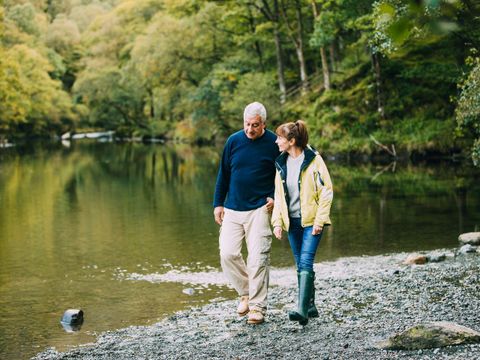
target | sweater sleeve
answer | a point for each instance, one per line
(223, 177)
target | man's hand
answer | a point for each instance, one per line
(218, 213)
(277, 231)
(317, 229)
(269, 204)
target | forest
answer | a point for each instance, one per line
(386, 76)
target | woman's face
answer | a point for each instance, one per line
(284, 144)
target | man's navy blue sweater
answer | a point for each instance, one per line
(247, 172)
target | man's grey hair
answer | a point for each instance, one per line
(254, 109)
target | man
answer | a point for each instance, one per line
(243, 202)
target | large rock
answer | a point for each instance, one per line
(472, 238)
(431, 335)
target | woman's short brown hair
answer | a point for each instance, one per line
(294, 130)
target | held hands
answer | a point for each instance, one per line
(317, 229)
(277, 231)
(218, 213)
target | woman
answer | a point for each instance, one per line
(303, 196)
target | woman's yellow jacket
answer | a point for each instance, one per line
(316, 191)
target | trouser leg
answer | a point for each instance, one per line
(308, 249)
(295, 237)
(259, 239)
(232, 234)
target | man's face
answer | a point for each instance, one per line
(253, 127)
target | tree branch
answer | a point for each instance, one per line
(384, 147)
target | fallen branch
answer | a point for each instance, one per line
(384, 147)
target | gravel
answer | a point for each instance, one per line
(361, 301)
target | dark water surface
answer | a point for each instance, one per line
(75, 220)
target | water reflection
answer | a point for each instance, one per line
(73, 219)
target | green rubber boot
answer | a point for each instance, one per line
(312, 309)
(305, 285)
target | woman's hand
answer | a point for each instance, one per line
(277, 231)
(317, 229)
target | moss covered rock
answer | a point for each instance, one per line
(431, 335)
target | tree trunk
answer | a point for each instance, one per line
(258, 49)
(326, 72)
(152, 102)
(296, 37)
(332, 56)
(323, 55)
(299, 47)
(303, 68)
(280, 66)
(274, 17)
(378, 83)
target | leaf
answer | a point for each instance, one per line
(400, 30)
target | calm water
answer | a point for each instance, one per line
(74, 220)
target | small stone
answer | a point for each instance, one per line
(72, 317)
(436, 258)
(467, 249)
(188, 291)
(472, 238)
(72, 320)
(416, 259)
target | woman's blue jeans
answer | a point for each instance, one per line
(304, 245)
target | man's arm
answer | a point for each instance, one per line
(222, 184)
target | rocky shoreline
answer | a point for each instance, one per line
(361, 301)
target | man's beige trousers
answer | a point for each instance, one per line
(252, 278)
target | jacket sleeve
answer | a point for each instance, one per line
(277, 214)
(325, 196)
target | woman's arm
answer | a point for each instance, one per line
(325, 194)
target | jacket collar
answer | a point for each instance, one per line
(281, 160)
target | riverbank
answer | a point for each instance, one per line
(361, 301)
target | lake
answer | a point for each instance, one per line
(77, 221)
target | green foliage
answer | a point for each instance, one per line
(62, 35)
(325, 29)
(468, 110)
(186, 68)
(30, 97)
(24, 17)
(397, 21)
(251, 87)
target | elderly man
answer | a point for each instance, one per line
(243, 202)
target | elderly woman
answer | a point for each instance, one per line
(303, 196)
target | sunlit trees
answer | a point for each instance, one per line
(186, 68)
(31, 102)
